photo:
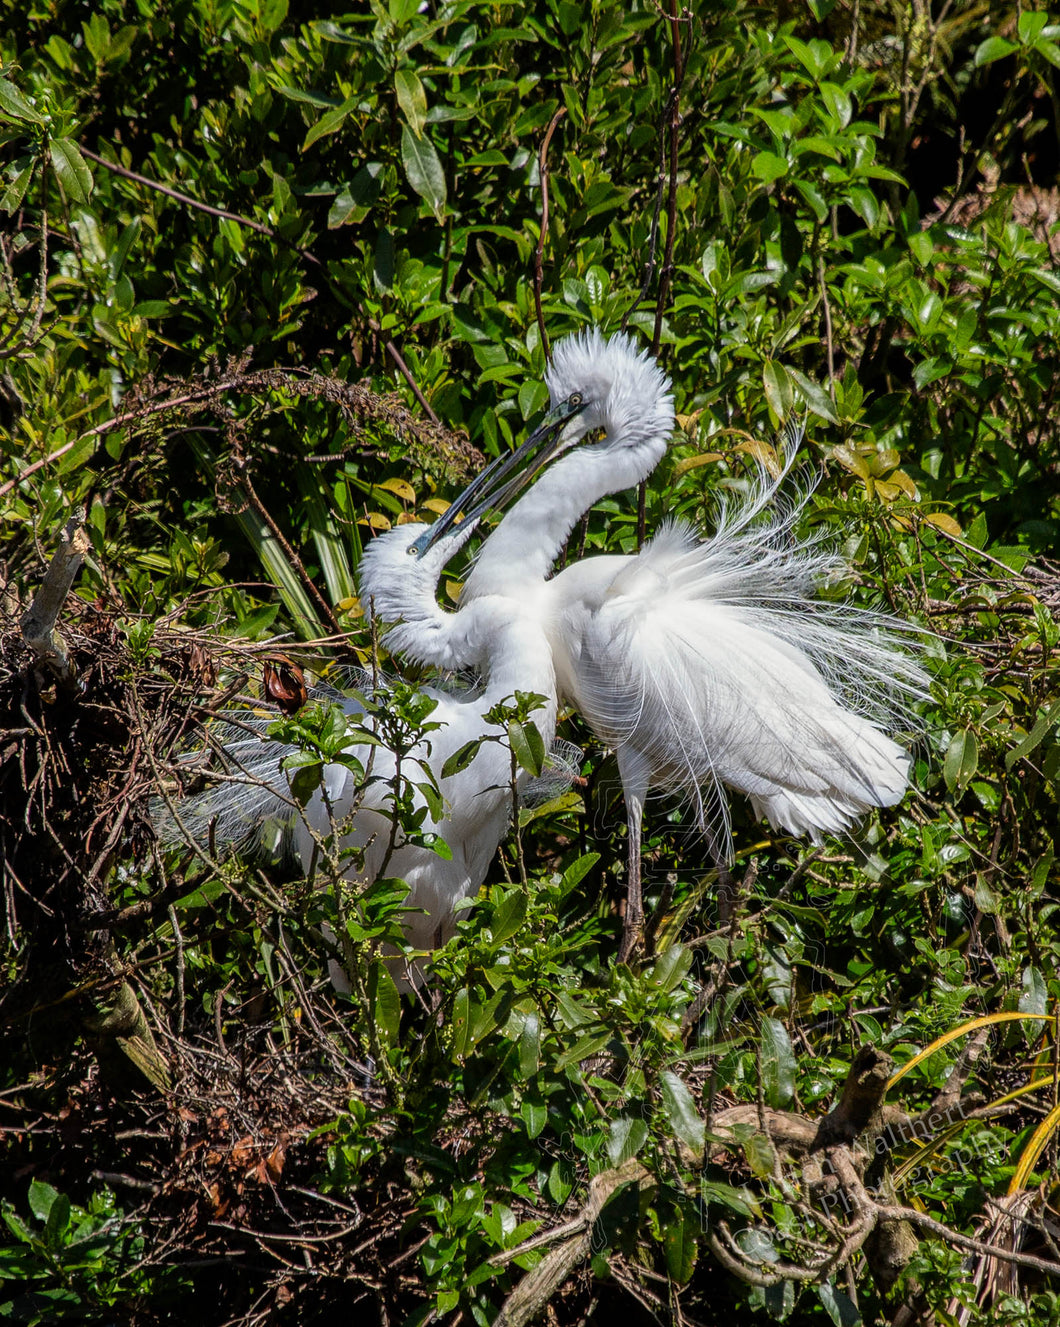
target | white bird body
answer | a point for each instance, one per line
(477, 800)
(510, 652)
(704, 663)
(663, 654)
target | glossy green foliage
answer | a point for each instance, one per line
(266, 272)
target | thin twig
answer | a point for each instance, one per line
(294, 561)
(673, 117)
(674, 109)
(829, 344)
(949, 1236)
(539, 255)
(208, 208)
(179, 940)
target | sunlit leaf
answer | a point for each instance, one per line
(424, 170)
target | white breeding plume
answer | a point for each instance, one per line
(705, 663)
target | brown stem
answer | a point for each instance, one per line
(292, 557)
(666, 276)
(539, 255)
(221, 212)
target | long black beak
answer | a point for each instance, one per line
(503, 478)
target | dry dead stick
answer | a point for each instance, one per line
(38, 624)
(539, 1285)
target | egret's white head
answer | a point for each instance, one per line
(395, 576)
(610, 402)
(623, 390)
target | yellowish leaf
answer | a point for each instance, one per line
(1036, 1145)
(904, 482)
(762, 452)
(692, 462)
(987, 1020)
(942, 522)
(850, 460)
(376, 521)
(401, 487)
(435, 505)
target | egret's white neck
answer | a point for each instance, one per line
(523, 548)
(514, 654)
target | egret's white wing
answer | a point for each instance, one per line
(715, 662)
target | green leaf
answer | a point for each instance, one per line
(14, 104)
(838, 102)
(97, 37)
(680, 1244)
(341, 209)
(16, 1225)
(509, 916)
(578, 869)
(777, 387)
(573, 1014)
(583, 1048)
(737, 1200)
(126, 240)
(412, 99)
(16, 190)
(424, 170)
(865, 204)
(528, 745)
(778, 1063)
(769, 167)
(461, 758)
(327, 124)
(534, 1115)
(58, 1221)
(461, 1022)
(1035, 996)
(994, 48)
(310, 98)
(384, 1002)
(681, 1110)
(1049, 50)
(671, 967)
(530, 1046)
(961, 761)
(625, 1139)
(1044, 722)
(70, 168)
(817, 400)
(839, 1306)
(1030, 25)
(41, 1198)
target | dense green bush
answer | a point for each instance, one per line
(265, 273)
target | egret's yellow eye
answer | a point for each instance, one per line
(575, 398)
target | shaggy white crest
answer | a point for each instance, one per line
(626, 392)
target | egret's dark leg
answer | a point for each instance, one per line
(635, 775)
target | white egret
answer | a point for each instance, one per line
(511, 653)
(702, 662)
